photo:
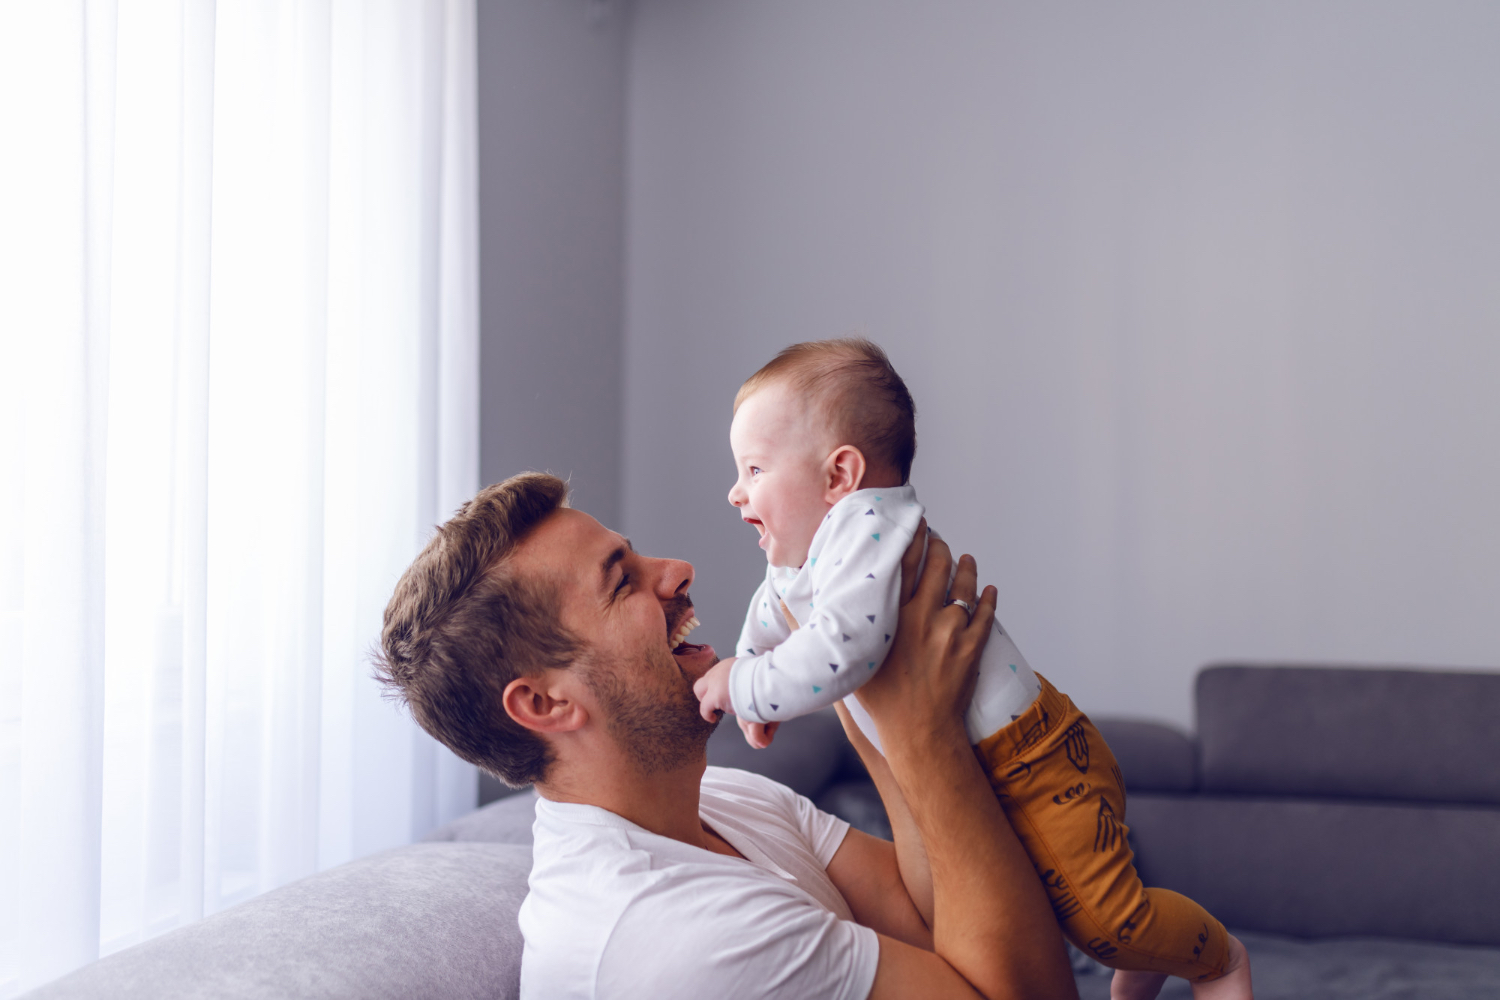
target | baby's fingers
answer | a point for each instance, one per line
(759, 734)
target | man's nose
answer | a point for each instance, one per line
(674, 577)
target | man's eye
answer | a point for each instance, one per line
(624, 579)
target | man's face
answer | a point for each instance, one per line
(632, 614)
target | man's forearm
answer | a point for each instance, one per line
(990, 917)
(911, 856)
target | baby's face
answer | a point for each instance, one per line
(779, 453)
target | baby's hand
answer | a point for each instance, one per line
(712, 690)
(759, 734)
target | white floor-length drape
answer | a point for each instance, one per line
(239, 320)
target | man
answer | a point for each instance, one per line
(538, 644)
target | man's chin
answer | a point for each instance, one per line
(694, 659)
(657, 723)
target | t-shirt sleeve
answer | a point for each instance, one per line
(736, 940)
(824, 831)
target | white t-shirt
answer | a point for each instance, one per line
(617, 911)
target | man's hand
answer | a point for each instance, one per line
(712, 690)
(923, 688)
(993, 931)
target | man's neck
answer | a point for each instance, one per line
(663, 802)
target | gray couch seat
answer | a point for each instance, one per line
(429, 920)
(1286, 968)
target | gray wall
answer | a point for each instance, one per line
(1198, 303)
(551, 167)
(551, 200)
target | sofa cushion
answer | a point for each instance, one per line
(1349, 969)
(1152, 757)
(429, 920)
(504, 821)
(1311, 868)
(1360, 733)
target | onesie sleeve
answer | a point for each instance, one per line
(846, 627)
(765, 626)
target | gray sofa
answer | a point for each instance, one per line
(1345, 823)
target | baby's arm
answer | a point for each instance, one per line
(764, 628)
(845, 630)
(712, 690)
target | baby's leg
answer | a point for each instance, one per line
(1065, 797)
(1005, 688)
(1128, 984)
(1235, 983)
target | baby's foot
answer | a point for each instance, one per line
(1235, 983)
(1128, 985)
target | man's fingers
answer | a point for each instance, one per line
(984, 613)
(934, 582)
(965, 582)
(911, 561)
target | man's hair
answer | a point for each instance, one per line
(856, 389)
(459, 628)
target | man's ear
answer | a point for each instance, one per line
(844, 470)
(543, 705)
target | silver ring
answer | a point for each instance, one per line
(968, 609)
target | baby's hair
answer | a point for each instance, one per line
(855, 388)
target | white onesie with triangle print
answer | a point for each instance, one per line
(846, 598)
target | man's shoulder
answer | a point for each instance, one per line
(734, 781)
(613, 906)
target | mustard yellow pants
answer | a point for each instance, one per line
(1062, 790)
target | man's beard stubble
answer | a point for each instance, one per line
(660, 727)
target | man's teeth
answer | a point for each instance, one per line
(683, 630)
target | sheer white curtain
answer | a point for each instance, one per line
(239, 387)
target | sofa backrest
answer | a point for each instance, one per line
(1331, 801)
(1366, 733)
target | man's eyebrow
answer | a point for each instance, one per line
(612, 559)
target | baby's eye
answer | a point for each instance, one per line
(754, 470)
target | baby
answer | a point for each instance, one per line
(823, 439)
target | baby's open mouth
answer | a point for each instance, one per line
(756, 524)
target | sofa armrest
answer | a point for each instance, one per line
(1153, 757)
(426, 920)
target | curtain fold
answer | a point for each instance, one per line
(240, 342)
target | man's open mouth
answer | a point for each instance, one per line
(675, 641)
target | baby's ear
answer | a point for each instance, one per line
(844, 472)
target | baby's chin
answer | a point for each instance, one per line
(782, 560)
